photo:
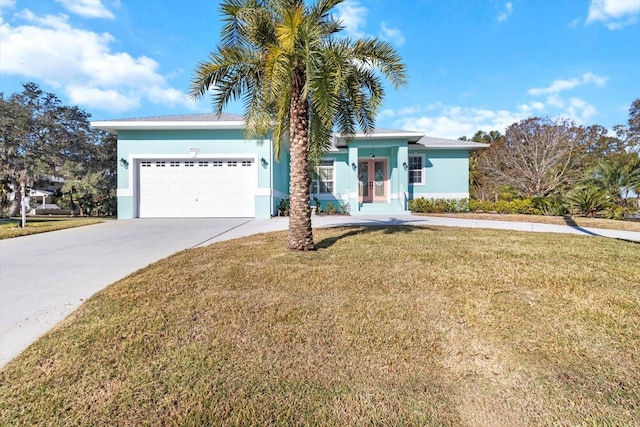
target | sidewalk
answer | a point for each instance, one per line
(278, 224)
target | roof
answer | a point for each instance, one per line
(433, 142)
(236, 121)
(184, 121)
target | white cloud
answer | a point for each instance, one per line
(83, 65)
(109, 99)
(506, 12)
(562, 85)
(451, 121)
(393, 35)
(87, 8)
(615, 14)
(580, 110)
(8, 4)
(353, 17)
(454, 121)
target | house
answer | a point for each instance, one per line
(202, 165)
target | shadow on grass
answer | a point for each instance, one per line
(368, 229)
(571, 223)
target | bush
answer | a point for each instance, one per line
(590, 201)
(528, 206)
(438, 205)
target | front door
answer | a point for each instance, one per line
(372, 179)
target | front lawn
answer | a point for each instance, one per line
(382, 326)
(11, 227)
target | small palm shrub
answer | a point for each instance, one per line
(590, 200)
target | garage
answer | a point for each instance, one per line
(197, 188)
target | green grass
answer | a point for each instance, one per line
(11, 227)
(382, 326)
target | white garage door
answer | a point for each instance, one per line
(197, 188)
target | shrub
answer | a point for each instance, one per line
(438, 205)
(590, 200)
(344, 208)
(283, 207)
(331, 209)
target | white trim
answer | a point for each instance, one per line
(261, 191)
(422, 169)
(134, 159)
(203, 156)
(441, 195)
(332, 193)
(116, 125)
(412, 136)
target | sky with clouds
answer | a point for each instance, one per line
(473, 65)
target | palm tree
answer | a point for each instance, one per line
(616, 175)
(298, 83)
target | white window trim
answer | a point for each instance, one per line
(422, 171)
(326, 159)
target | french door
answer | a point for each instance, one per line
(372, 179)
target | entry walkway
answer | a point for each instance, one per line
(44, 277)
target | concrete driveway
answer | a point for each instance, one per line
(44, 277)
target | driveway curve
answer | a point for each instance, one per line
(44, 277)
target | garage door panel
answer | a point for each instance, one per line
(203, 188)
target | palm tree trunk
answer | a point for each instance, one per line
(300, 231)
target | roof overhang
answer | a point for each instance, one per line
(114, 126)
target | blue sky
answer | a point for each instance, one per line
(473, 65)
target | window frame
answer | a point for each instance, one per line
(318, 179)
(409, 169)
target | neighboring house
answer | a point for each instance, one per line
(202, 165)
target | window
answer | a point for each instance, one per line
(322, 182)
(203, 164)
(232, 164)
(189, 164)
(416, 173)
(145, 164)
(246, 163)
(160, 164)
(174, 164)
(216, 164)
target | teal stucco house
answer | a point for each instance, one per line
(202, 165)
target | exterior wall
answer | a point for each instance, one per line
(280, 169)
(446, 175)
(136, 145)
(446, 171)
(341, 183)
(395, 152)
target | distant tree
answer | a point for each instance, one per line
(480, 185)
(631, 132)
(536, 156)
(299, 82)
(41, 139)
(616, 176)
